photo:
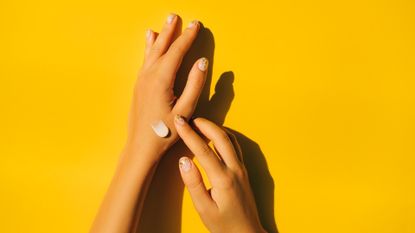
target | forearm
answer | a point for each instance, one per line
(124, 199)
(167, 208)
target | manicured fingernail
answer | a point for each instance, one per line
(192, 24)
(179, 119)
(148, 34)
(185, 164)
(203, 64)
(170, 18)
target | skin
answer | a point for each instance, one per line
(231, 207)
(153, 100)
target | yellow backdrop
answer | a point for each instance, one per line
(324, 91)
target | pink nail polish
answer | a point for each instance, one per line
(185, 164)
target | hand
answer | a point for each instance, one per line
(153, 98)
(230, 205)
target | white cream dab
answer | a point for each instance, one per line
(160, 129)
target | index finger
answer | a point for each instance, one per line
(207, 157)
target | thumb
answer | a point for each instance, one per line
(194, 183)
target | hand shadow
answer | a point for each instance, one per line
(162, 210)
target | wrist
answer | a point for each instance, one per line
(142, 152)
(252, 229)
(150, 144)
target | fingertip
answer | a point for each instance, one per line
(171, 17)
(179, 120)
(199, 120)
(203, 64)
(185, 164)
(149, 34)
(194, 24)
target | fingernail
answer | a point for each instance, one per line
(148, 34)
(203, 64)
(185, 164)
(179, 119)
(192, 24)
(170, 18)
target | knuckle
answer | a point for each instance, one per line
(227, 181)
(156, 50)
(178, 49)
(231, 135)
(203, 210)
(240, 172)
(205, 149)
(222, 135)
(194, 183)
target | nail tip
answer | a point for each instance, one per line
(193, 23)
(185, 164)
(148, 33)
(170, 17)
(203, 64)
(178, 119)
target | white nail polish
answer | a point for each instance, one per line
(170, 18)
(203, 64)
(185, 164)
(160, 128)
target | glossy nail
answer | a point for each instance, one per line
(185, 164)
(203, 64)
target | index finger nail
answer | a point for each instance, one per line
(185, 164)
(179, 119)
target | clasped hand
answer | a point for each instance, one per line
(229, 206)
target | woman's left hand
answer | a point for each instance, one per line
(153, 98)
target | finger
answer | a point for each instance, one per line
(187, 101)
(164, 39)
(181, 45)
(177, 30)
(221, 141)
(194, 183)
(150, 39)
(235, 144)
(208, 159)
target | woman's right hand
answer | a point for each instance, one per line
(230, 205)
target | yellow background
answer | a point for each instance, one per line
(325, 88)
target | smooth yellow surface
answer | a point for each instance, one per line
(326, 88)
